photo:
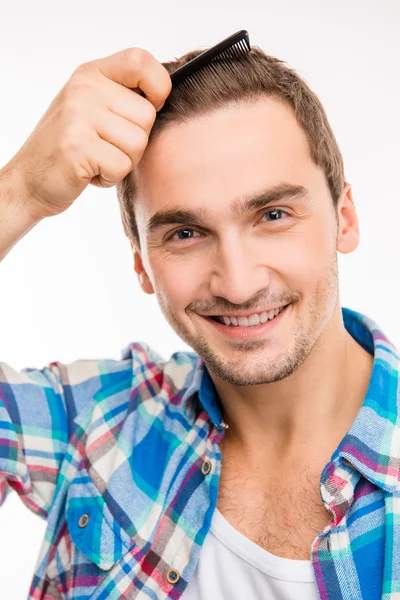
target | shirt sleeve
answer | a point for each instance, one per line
(37, 412)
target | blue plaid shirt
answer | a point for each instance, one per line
(122, 458)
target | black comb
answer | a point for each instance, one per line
(233, 46)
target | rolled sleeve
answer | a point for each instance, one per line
(34, 433)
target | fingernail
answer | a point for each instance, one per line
(160, 107)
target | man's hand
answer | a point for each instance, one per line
(95, 130)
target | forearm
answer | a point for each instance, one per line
(15, 218)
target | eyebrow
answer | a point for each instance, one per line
(239, 207)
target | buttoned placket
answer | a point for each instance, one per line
(173, 575)
(337, 500)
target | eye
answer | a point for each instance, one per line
(184, 234)
(275, 212)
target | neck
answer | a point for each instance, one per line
(312, 408)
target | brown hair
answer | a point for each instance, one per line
(246, 78)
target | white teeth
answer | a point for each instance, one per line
(243, 321)
(255, 319)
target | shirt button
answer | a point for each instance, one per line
(206, 467)
(83, 521)
(328, 544)
(173, 576)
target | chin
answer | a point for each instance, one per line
(251, 363)
(243, 377)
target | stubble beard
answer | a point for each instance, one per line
(250, 361)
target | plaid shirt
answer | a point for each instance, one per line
(122, 458)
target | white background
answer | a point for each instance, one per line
(68, 289)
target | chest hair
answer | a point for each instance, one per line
(282, 513)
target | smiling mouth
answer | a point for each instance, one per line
(253, 320)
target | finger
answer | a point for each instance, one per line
(108, 164)
(132, 107)
(101, 181)
(124, 135)
(135, 67)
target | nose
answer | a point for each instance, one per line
(238, 271)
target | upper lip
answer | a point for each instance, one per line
(243, 313)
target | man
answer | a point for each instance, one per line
(266, 462)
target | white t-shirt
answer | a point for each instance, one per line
(232, 567)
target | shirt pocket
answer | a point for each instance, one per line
(95, 527)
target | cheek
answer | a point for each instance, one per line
(177, 280)
(301, 258)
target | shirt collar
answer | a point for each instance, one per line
(372, 444)
(202, 388)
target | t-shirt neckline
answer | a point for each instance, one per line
(286, 569)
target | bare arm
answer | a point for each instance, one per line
(94, 132)
(15, 218)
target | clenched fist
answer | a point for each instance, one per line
(95, 130)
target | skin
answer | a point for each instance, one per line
(302, 382)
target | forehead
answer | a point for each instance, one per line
(232, 151)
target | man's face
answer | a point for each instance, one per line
(212, 244)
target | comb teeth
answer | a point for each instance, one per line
(233, 47)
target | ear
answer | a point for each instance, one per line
(348, 230)
(144, 280)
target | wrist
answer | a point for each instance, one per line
(16, 203)
(16, 216)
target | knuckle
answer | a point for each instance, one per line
(124, 167)
(150, 114)
(78, 83)
(141, 140)
(138, 58)
(83, 68)
(70, 142)
(127, 169)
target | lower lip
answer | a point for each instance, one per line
(248, 332)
